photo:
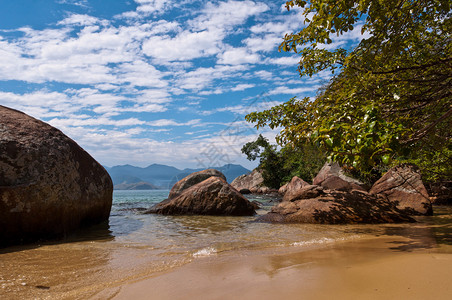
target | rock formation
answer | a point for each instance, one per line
(213, 196)
(295, 184)
(332, 177)
(49, 186)
(254, 182)
(192, 179)
(306, 192)
(319, 206)
(403, 186)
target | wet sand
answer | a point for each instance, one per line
(387, 261)
(380, 268)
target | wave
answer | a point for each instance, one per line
(324, 240)
(205, 252)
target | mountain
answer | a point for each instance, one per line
(161, 176)
(136, 186)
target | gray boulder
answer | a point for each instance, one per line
(49, 186)
(332, 177)
(213, 196)
(193, 179)
(253, 182)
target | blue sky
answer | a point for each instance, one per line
(152, 81)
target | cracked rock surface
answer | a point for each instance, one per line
(403, 186)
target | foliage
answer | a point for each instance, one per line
(278, 167)
(270, 162)
(304, 161)
(390, 101)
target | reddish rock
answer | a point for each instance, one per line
(306, 192)
(213, 196)
(49, 186)
(253, 182)
(337, 207)
(295, 184)
(403, 186)
(332, 177)
(193, 179)
(283, 189)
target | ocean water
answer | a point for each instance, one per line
(136, 245)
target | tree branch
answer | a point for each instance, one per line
(423, 132)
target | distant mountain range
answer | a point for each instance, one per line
(156, 176)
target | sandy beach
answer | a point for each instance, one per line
(233, 258)
(380, 268)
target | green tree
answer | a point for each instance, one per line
(270, 161)
(390, 100)
(278, 167)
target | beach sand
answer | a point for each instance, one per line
(379, 268)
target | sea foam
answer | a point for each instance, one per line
(324, 240)
(205, 252)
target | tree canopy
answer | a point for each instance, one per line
(390, 99)
(278, 167)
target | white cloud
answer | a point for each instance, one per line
(167, 122)
(101, 121)
(284, 61)
(267, 43)
(150, 6)
(242, 87)
(202, 78)
(264, 75)
(238, 56)
(185, 46)
(227, 14)
(80, 20)
(292, 91)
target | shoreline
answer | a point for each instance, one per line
(375, 268)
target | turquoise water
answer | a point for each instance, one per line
(192, 236)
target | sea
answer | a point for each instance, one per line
(135, 245)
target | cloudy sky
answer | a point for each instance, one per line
(151, 81)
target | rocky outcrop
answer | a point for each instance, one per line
(213, 196)
(306, 192)
(254, 182)
(295, 184)
(49, 186)
(332, 177)
(319, 206)
(403, 186)
(283, 189)
(192, 179)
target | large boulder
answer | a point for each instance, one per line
(283, 189)
(332, 177)
(306, 192)
(49, 186)
(295, 184)
(192, 179)
(336, 207)
(253, 182)
(213, 196)
(403, 186)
